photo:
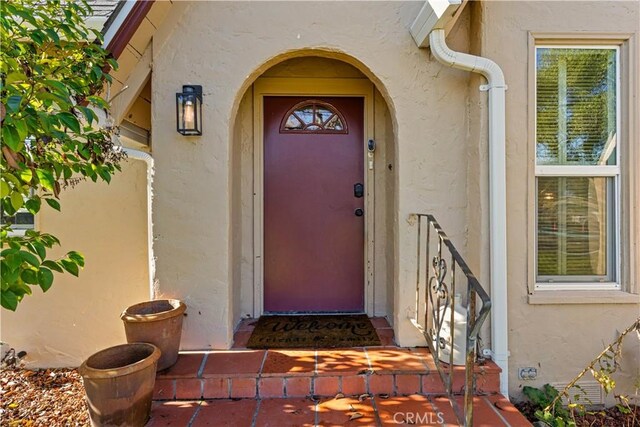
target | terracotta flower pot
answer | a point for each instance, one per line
(119, 382)
(157, 322)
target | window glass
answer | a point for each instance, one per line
(574, 226)
(313, 117)
(576, 106)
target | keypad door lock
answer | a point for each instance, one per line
(358, 190)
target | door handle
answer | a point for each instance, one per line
(358, 212)
(358, 190)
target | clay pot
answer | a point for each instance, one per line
(119, 382)
(157, 322)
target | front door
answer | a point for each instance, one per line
(313, 204)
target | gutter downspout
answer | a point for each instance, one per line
(497, 190)
(146, 157)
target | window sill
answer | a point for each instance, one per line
(18, 233)
(583, 297)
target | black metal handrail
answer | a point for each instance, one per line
(435, 314)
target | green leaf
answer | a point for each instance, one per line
(70, 121)
(37, 37)
(46, 179)
(88, 113)
(4, 189)
(10, 137)
(45, 278)
(105, 175)
(70, 266)
(113, 63)
(16, 200)
(60, 87)
(10, 177)
(52, 34)
(76, 257)
(40, 249)
(98, 101)
(5, 253)
(67, 172)
(29, 276)
(6, 206)
(21, 128)
(15, 76)
(53, 266)
(53, 203)
(26, 175)
(30, 258)
(33, 204)
(9, 300)
(13, 261)
(13, 103)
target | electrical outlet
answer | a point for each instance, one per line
(527, 373)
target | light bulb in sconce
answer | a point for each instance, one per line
(189, 114)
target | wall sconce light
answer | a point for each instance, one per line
(189, 110)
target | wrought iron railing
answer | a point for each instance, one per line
(449, 301)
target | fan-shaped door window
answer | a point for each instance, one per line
(313, 116)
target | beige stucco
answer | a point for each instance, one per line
(194, 213)
(438, 120)
(79, 316)
(558, 339)
(430, 123)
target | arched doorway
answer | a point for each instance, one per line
(314, 227)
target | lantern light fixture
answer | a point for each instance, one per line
(189, 110)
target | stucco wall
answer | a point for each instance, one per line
(557, 339)
(79, 316)
(225, 47)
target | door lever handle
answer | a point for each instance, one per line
(358, 190)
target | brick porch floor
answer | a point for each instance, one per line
(242, 387)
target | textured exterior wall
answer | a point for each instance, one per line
(557, 339)
(79, 316)
(225, 47)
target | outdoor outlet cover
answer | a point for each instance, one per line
(527, 373)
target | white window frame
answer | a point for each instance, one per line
(20, 229)
(584, 171)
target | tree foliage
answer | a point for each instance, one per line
(51, 76)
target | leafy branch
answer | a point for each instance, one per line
(51, 78)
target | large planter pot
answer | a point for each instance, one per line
(119, 384)
(157, 322)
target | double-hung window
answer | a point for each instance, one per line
(577, 167)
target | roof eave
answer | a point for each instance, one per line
(123, 23)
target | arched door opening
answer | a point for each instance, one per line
(313, 185)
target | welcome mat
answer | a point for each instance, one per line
(313, 331)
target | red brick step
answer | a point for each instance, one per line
(300, 373)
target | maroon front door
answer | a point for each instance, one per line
(313, 215)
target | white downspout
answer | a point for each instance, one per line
(146, 157)
(497, 191)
